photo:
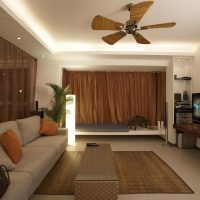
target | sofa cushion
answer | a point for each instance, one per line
(48, 127)
(29, 128)
(10, 125)
(57, 142)
(20, 186)
(5, 160)
(36, 161)
(11, 145)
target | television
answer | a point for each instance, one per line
(196, 108)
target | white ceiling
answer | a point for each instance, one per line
(57, 27)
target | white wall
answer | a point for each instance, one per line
(196, 73)
(183, 66)
(196, 79)
(169, 99)
(47, 71)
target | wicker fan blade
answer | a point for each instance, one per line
(140, 39)
(137, 11)
(102, 23)
(164, 25)
(113, 38)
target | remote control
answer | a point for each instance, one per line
(92, 144)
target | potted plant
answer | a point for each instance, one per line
(57, 112)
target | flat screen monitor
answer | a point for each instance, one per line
(196, 108)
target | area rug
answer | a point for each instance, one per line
(138, 172)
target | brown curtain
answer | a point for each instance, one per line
(17, 82)
(116, 97)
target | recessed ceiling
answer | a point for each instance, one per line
(65, 25)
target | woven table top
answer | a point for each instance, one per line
(97, 164)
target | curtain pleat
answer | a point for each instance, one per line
(116, 97)
(17, 82)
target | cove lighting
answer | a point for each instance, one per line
(70, 119)
(23, 15)
(161, 48)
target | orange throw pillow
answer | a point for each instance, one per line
(11, 145)
(48, 127)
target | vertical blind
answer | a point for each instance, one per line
(17, 82)
(116, 97)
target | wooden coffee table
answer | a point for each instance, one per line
(96, 178)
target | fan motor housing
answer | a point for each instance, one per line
(131, 28)
(129, 6)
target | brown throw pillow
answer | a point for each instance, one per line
(48, 127)
(11, 145)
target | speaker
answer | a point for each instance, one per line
(36, 105)
(42, 114)
(166, 123)
(186, 141)
(166, 114)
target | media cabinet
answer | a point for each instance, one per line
(188, 129)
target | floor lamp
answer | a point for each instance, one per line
(70, 119)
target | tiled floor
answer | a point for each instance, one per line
(186, 163)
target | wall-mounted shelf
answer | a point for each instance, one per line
(184, 78)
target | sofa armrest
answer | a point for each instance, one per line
(62, 131)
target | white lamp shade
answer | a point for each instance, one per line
(70, 119)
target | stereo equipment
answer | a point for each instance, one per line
(183, 115)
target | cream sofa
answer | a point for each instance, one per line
(40, 153)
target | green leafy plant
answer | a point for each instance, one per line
(58, 106)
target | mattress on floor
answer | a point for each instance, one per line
(102, 127)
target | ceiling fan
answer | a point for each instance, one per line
(137, 11)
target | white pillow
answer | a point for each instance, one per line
(29, 128)
(5, 160)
